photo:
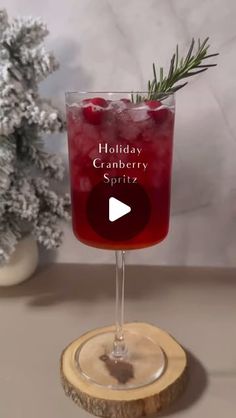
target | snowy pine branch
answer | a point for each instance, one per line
(28, 203)
(3, 22)
(51, 164)
(46, 230)
(50, 200)
(7, 156)
(25, 31)
(9, 237)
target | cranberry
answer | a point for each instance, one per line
(159, 115)
(93, 109)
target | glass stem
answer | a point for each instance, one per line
(119, 347)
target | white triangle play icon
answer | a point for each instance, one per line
(117, 209)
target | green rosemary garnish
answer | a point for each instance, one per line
(179, 69)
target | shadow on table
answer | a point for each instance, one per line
(196, 386)
(63, 283)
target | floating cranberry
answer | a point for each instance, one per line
(156, 111)
(94, 109)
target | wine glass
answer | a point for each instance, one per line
(120, 155)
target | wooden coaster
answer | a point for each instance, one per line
(126, 403)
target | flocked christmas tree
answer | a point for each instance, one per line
(28, 203)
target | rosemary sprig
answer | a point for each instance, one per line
(180, 68)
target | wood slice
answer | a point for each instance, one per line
(126, 403)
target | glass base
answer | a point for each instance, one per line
(143, 363)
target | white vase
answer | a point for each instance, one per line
(22, 264)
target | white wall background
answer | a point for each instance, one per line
(111, 44)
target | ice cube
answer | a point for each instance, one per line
(85, 184)
(90, 132)
(127, 128)
(139, 113)
(74, 112)
(118, 105)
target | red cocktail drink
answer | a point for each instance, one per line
(120, 151)
(120, 154)
(116, 146)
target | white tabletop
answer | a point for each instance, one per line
(39, 318)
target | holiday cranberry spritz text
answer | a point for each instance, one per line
(115, 143)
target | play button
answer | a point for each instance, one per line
(117, 209)
(118, 213)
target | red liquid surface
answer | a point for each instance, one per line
(121, 125)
